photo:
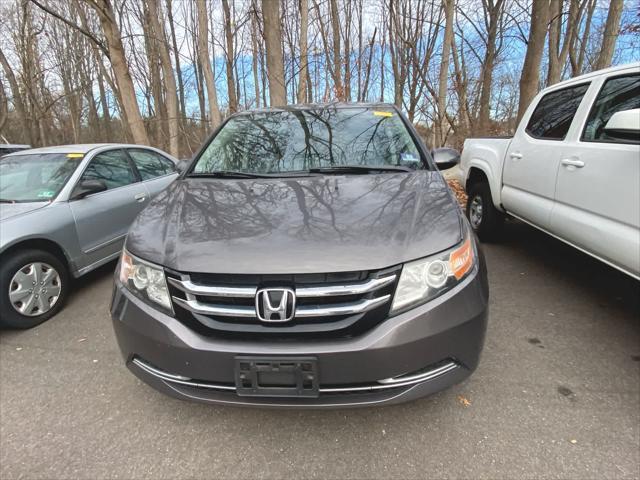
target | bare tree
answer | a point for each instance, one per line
(215, 118)
(275, 63)
(304, 23)
(229, 56)
(611, 31)
(444, 69)
(529, 78)
(171, 94)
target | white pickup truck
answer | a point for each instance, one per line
(572, 169)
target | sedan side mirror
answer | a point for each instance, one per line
(624, 124)
(87, 187)
(182, 165)
(445, 158)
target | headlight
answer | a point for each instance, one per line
(145, 280)
(425, 279)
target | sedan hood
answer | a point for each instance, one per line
(8, 210)
(310, 224)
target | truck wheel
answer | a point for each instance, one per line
(33, 287)
(485, 219)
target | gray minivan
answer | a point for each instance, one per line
(65, 211)
(309, 256)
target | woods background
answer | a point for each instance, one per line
(165, 72)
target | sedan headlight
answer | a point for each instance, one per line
(145, 280)
(425, 279)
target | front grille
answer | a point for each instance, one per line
(327, 305)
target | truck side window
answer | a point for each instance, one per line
(617, 94)
(554, 113)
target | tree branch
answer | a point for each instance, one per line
(87, 34)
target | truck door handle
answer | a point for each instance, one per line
(573, 163)
(140, 197)
(515, 155)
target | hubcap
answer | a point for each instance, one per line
(35, 289)
(475, 211)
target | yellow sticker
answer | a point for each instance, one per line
(383, 114)
(75, 155)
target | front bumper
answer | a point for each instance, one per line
(408, 356)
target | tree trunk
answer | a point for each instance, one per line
(335, 30)
(611, 31)
(176, 54)
(15, 92)
(229, 57)
(171, 94)
(558, 55)
(494, 13)
(215, 118)
(275, 64)
(121, 70)
(577, 63)
(555, 30)
(304, 23)
(255, 51)
(4, 109)
(529, 77)
(444, 70)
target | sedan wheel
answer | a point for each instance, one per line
(35, 289)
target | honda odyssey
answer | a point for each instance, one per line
(309, 256)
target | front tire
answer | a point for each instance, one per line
(33, 287)
(485, 219)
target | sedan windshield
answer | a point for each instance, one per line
(35, 178)
(305, 140)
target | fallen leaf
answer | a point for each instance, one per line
(18, 348)
(574, 441)
(81, 339)
(464, 401)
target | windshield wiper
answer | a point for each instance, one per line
(228, 174)
(5, 200)
(361, 169)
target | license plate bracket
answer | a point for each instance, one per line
(276, 376)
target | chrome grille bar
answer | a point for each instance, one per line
(212, 290)
(381, 385)
(301, 292)
(222, 310)
(354, 289)
(351, 308)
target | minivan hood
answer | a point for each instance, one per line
(297, 225)
(8, 210)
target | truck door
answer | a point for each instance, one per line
(533, 157)
(598, 186)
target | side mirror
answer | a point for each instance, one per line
(445, 158)
(182, 165)
(87, 187)
(625, 123)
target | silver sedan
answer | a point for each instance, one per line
(65, 211)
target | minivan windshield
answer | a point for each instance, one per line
(311, 140)
(35, 178)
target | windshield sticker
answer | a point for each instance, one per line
(46, 194)
(408, 158)
(75, 155)
(383, 114)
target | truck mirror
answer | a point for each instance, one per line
(624, 124)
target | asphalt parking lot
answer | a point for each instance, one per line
(557, 394)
